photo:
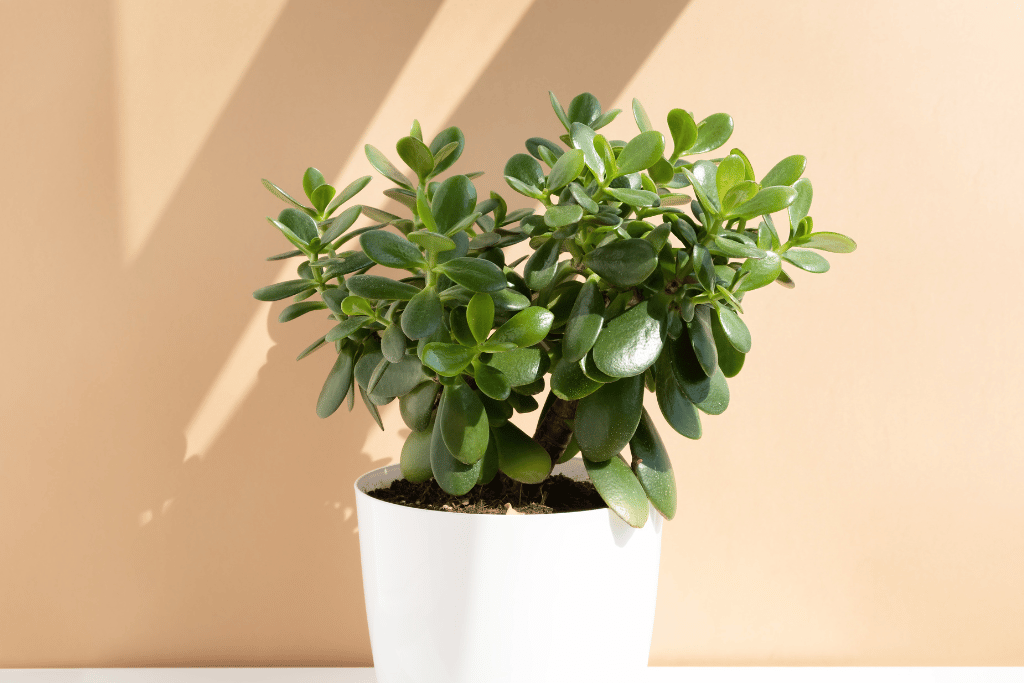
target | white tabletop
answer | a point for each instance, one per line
(654, 675)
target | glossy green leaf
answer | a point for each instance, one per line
(343, 222)
(718, 395)
(703, 178)
(712, 133)
(416, 155)
(300, 223)
(534, 145)
(525, 328)
(312, 347)
(526, 170)
(311, 180)
(566, 169)
(562, 215)
(460, 327)
(508, 300)
(629, 343)
(480, 316)
(395, 379)
(624, 263)
(583, 140)
(415, 458)
(559, 111)
(830, 241)
(346, 327)
(443, 153)
(283, 290)
(356, 305)
(735, 248)
(786, 172)
(683, 129)
(417, 407)
(475, 274)
(293, 311)
(582, 198)
(322, 197)
(702, 339)
(391, 250)
(689, 374)
(377, 287)
(454, 199)
(520, 366)
(652, 467)
(802, 204)
(641, 152)
(643, 122)
(285, 255)
(392, 343)
(731, 172)
(441, 141)
(491, 382)
(734, 328)
(679, 411)
(337, 384)
(633, 197)
(540, 267)
(463, 423)
(433, 242)
(607, 418)
(569, 383)
(519, 456)
(768, 200)
(730, 360)
(456, 478)
(281, 194)
(606, 118)
(810, 261)
(447, 359)
(386, 168)
(422, 314)
(350, 191)
(584, 109)
(762, 271)
(620, 489)
(585, 322)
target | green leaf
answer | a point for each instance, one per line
(480, 316)
(569, 383)
(584, 109)
(463, 423)
(735, 249)
(281, 194)
(703, 340)
(740, 193)
(398, 379)
(440, 142)
(562, 215)
(734, 328)
(767, 201)
(830, 241)
(534, 145)
(730, 360)
(712, 133)
(475, 274)
(620, 489)
(377, 287)
(559, 112)
(607, 418)
(526, 170)
(718, 395)
(810, 261)
(508, 300)
(295, 310)
(566, 169)
(460, 327)
(641, 152)
(520, 457)
(283, 290)
(786, 172)
(454, 199)
(391, 250)
(633, 197)
(299, 223)
(337, 384)
(629, 343)
(584, 324)
(322, 197)
(386, 168)
(540, 267)
(582, 198)
(456, 478)
(525, 328)
(312, 347)
(703, 178)
(448, 360)
(624, 263)
(583, 140)
(350, 191)
(520, 366)
(342, 223)
(311, 180)
(392, 343)
(652, 467)
(417, 156)
(356, 305)
(415, 459)
(683, 129)
(643, 122)
(606, 118)
(689, 374)
(433, 242)
(802, 204)
(346, 327)
(680, 413)
(762, 271)
(417, 407)
(285, 255)
(491, 382)
(731, 172)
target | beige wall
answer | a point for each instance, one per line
(167, 494)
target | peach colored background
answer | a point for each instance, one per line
(169, 497)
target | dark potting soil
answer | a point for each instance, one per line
(555, 494)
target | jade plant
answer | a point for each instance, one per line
(631, 285)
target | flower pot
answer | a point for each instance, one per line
(464, 598)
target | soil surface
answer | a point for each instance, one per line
(502, 496)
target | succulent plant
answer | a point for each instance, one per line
(632, 286)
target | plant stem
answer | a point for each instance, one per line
(553, 430)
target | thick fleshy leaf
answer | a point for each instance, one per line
(480, 316)
(456, 478)
(281, 194)
(624, 263)
(441, 141)
(489, 469)
(343, 222)
(584, 109)
(562, 215)
(810, 261)
(629, 343)
(712, 133)
(620, 489)
(447, 359)
(735, 248)
(679, 411)
(566, 169)
(422, 314)
(463, 423)
(786, 172)
(740, 193)
(525, 328)
(718, 395)
(475, 274)
(734, 328)
(533, 146)
(830, 241)
(652, 467)
(454, 199)
(607, 418)
(416, 155)
(433, 242)
(415, 459)
(337, 384)
(312, 347)
(293, 311)
(768, 200)
(392, 343)
(519, 456)
(633, 197)
(322, 196)
(300, 223)
(346, 327)
(689, 374)
(583, 139)
(386, 168)
(683, 129)
(585, 322)
(762, 271)
(641, 152)
(569, 383)
(559, 111)
(377, 287)
(350, 191)
(384, 381)
(643, 121)
(417, 407)
(391, 250)
(491, 382)
(704, 179)
(802, 204)
(526, 170)
(283, 290)
(460, 327)
(311, 180)
(731, 172)
(582, 198)
(703, 340)
(521, 366)
(540, 267)
(730, 361)
(508, 300)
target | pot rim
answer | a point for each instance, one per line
(572, 464)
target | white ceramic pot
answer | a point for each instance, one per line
(461, 598)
